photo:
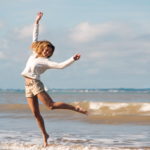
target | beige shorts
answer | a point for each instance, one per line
(33, 87)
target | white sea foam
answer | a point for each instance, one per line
(112, 106)
(145, 107)
(95, 105)
(117, 106)
(17, 146)
(12, 140)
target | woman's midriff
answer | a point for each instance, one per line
(28, 81)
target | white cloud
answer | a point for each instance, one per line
(4, 43)
(3, 48)
(97, 54)
(129, 56)
(2, 55)
(85, 32)
(26, 31)
(1, 24)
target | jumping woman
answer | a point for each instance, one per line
(37, 64)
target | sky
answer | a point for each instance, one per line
(112, 36)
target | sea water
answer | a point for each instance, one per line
(118, 119)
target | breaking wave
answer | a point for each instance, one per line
(99, 112)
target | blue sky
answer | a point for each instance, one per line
(113, 37)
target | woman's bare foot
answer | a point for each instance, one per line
(45, 140)
(80, 110)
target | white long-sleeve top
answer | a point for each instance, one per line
(35, 66)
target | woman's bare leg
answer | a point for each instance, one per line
(34, 106)
(47, 100)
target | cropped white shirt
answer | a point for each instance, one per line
(35, 66)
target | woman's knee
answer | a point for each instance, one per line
(51, 105)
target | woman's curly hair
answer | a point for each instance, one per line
(39, 46)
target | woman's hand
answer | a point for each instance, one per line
(76, 57)
(38, 17)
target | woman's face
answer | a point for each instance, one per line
(47, 52)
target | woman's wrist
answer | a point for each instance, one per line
(38, 18)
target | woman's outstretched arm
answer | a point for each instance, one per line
(64, 64)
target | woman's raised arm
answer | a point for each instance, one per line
(36, 27)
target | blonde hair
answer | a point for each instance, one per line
(39, 46)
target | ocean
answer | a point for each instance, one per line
(118, 119)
